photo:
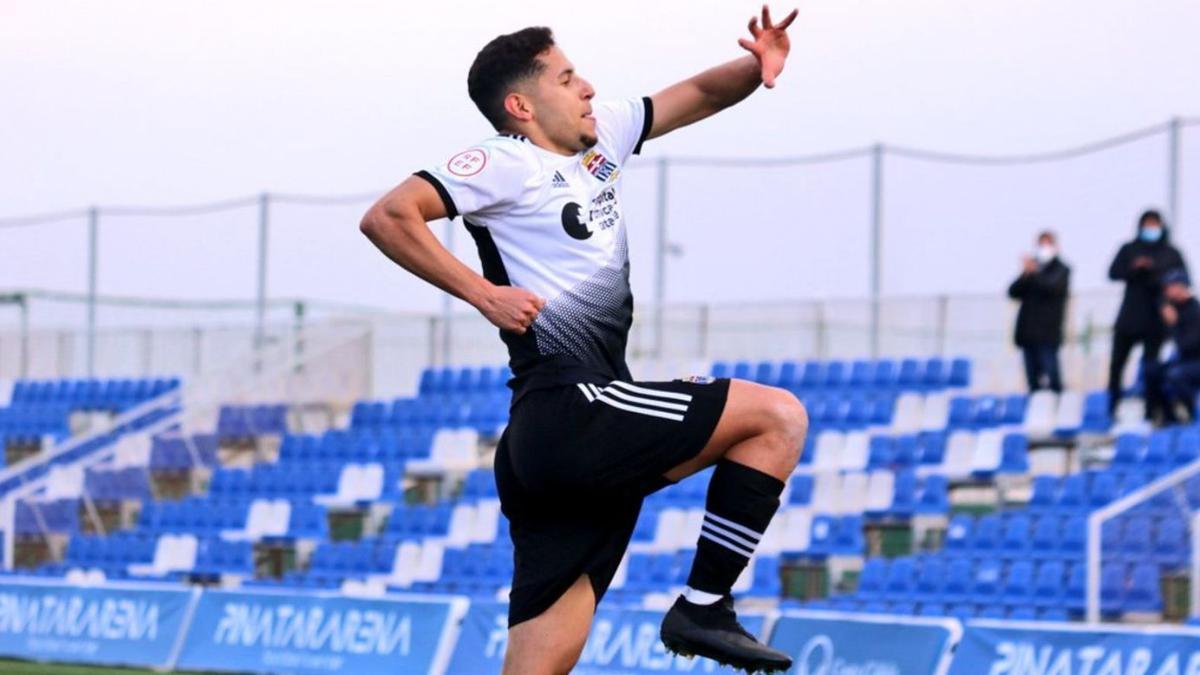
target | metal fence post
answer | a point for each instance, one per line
(260, 306)
(93, 245)
(943, 318)
(23, 306)
(876, 243)
(1175, 142)
(448, 303)
(660, 254)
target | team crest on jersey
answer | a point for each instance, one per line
(698, 379)
(604, 169)
(467, 163)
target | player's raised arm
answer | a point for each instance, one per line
(718, 88)
(398, 226)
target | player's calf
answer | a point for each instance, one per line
(743, 496)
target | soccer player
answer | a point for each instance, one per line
(586, 443)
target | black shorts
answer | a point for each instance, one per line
(573, 466)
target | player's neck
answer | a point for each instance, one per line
(540, 139)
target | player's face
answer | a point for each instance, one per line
(563, 103)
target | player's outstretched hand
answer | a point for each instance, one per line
(770, 44)
(512, 309)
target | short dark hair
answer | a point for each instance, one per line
(503, 62)
(1149, 215)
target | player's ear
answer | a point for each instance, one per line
(519, 106)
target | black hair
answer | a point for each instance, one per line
(502, 63)
(1148, 215)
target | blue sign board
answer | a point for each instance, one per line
(1040, 648)
(321, 633)
(111, 624)
(830, 643)
(622, 641)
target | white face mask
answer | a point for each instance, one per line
(1045, 253)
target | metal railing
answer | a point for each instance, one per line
(663, 207)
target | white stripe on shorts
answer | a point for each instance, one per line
(604, 398)
(686, 398)
(617, 393)
(587, 393)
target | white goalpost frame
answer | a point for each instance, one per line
(1097, 518)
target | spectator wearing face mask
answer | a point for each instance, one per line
(1141, 264)
(1176, 381)
(1042, 291)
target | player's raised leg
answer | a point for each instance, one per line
(551, 643)
(755, 446)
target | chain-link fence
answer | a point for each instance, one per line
(909, 251)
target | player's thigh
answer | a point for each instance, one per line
(751, 409)
(551, 642)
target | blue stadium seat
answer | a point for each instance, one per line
(934, 496)
(986, 537)
(906, 450)
(1095, 412)
(801, 490)
(1044, 543)
(1144, 594)
(930, 580)
(934, 609)
(881, 452)
(911, 374)
(959, 581)
(960, 372)
(904, 495)
(1074, 538)
(1171, 543)
(986, 586)
(1015, 454)
(788, 375)
(1015, 540)
(1072, 494)
(742, 370)
(1018, 584)
(1129, 449)
(958, 535)
(764, 373)
(886, 377)
(1048, 585)
(872, 579)
(849, 539)
(901, 579)
(1042, 499)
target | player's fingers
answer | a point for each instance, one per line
(768, 78)
(787, 21)
(753, 26)
(766, 18)
(746, 44)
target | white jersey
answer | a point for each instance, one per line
(553, 225)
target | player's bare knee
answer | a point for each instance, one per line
(790, 420)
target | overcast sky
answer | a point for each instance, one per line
(160, 103)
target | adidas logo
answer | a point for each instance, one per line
(558, 181)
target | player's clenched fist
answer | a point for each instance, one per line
(512, 309)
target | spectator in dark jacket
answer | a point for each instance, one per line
(1042, 291)
(1176, 381)
(1140, 264)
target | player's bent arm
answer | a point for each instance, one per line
(398, 225)
(704, 95)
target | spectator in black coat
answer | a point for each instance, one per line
(1140, 264)
(1042, 290)
(1176, 381)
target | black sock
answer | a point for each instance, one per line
(740, 504)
